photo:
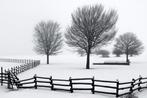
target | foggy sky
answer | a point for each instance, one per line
(19, 17)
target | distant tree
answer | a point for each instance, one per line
(91, 27)
(47, 38)
(103, 53)
(117, 52)
(129, 44)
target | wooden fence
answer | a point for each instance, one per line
(6, 74)
(3, 77)
(93, 85)
(27, 64)
(16, 60)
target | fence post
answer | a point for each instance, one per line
(23, 68)
(117, 88)
(1, 76)
(5, 75)
(51, 82)
(35, 81)
(9, 80)
(14, 70)
(93, 87)
(132, 85)
(70, 83)
(139, 87)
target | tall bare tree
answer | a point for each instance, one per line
(47, 38)
(91, 27)
(129, 44)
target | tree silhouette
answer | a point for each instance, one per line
(117, 52)
(103, 53)
(91, 27)
(47, 38)
(129, 44)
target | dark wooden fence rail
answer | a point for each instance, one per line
(115, 86)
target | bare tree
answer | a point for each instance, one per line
(47, 38)
(117, 52)
(129, 44)
(91, 27)
(103, 53)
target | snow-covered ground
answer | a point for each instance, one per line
(65, 66)
(7, 65)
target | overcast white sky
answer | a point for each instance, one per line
(19, 17)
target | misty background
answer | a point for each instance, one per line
(19, 17)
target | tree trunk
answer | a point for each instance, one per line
(88, 59)
(127, 55)
(47, 59)
(127, 58)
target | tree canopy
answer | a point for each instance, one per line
(92, 26)
(129, 44)
(47, 38)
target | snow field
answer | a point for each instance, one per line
(7, 65)
(65, 66)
